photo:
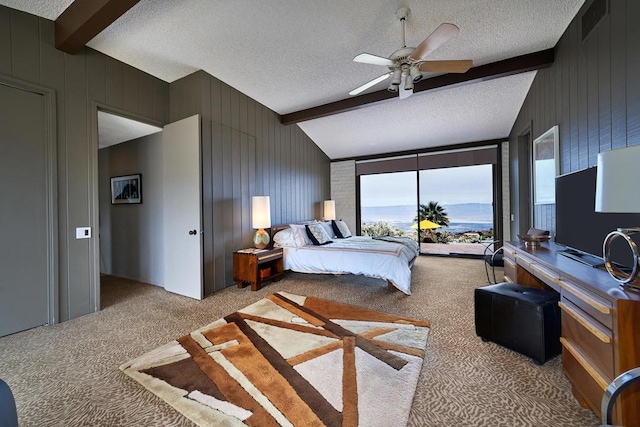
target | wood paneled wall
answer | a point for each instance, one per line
(27, 53)
(592, 91)
(246, 152)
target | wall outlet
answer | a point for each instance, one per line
(83, 232)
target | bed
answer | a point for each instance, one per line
(387, 258)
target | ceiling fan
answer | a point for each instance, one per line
(407, 64)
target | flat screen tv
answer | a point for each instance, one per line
(581, 228)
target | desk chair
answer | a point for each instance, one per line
(8, 412)
(611, 393)
(492, 258)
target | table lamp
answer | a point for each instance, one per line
(329, 210)
(260, 219)
(617, 181)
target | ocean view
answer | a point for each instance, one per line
(454, 227)
(463, 217)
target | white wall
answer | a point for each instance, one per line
(131, 236)
(343, 191)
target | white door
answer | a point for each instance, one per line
(182, 207)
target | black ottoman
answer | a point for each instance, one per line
(521, 318)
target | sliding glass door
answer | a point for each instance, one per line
(457, 203)
(445, 200)
(388, 203)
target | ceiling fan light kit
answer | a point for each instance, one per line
(396, 77)
(408, 84)
(416, 75)
(407, 64)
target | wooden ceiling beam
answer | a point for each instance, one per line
(494, 70)
(85, 19)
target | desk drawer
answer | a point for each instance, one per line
(525, 262)
(594, 306)
(583, 378)
(509, 270)
(595, 341)
(533, 273)
(509, 253)
(549, 277)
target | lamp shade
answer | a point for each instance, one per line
(617, 181)
(329, 210)
(260, 212)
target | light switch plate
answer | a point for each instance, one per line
(83, 232)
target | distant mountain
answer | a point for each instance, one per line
(461, 212)
(470, 212)
(388, 213)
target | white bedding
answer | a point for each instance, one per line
(357, 255)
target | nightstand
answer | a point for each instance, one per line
(255, 266)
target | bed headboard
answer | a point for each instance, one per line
(276, 228)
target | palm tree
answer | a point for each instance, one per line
(433, 212)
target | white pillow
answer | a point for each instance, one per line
(286, 237)
(300, 233)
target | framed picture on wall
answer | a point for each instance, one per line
(126, 189)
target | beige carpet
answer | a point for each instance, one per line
(67, 374)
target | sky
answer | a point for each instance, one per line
(447, 186)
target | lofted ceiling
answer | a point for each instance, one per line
(291, 56)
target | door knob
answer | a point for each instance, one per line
(192, 232)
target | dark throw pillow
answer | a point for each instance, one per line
(317, 234)
(341, 229)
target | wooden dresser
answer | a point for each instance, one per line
(600, 323)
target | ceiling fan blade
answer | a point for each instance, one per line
(434, 40)
(367, 58)
(459, 66)
(369, 84)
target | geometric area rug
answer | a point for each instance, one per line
(290, 360)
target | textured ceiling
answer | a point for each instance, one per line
(295, 55)
(442, 118)
(114, 129)
(46, 9)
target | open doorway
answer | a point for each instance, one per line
(129, 200)
(148, 203)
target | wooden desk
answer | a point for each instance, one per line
(600, 323)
